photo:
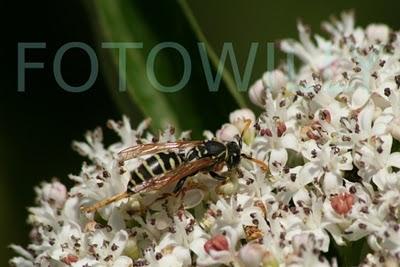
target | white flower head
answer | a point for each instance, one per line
(320, 164)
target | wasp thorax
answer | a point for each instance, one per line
(233, 154)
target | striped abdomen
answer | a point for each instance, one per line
(155, 165)
(197, 152)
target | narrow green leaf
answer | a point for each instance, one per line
(111, 19)
(194, 106)
(226, 75)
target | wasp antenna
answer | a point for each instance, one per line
(260, 163)
(246, 127)
(105, 202)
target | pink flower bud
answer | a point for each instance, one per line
(266, 132)
(217, 243)
(342, 203)
(69, 259)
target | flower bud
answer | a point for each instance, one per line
(227, 132)
(252, 254)
(55, 193)
(342, 203)
(69, 259)
(257, 93)
(238, 117)
(255, 255)
(132, 249)
(217, 243)
(378, 33)
(274, 81)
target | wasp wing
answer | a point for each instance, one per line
(146, 149)
(157, 182)
(175, 175)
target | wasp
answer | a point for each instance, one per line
(174, 162)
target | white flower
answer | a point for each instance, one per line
(326, 165)
(219, 248)
(306, 252)
(375, 160)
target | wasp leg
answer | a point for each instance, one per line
(217, 176)
(179, 185)
(105, 202)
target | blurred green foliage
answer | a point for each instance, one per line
(38, 126)
(138, 21)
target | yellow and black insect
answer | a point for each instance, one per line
(174, 162)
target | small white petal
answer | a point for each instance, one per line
(21, 251)
(331, 182)
(257, 93)
(21, 262)
(365, 117)
(289, 140)
(116, 220)
(378, 32)
(123, 261)
(394, 160)
(360, 97)
(309, 171)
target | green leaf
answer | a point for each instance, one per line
(226, 75)
(194, 106)
(119, 22)
(353, 253)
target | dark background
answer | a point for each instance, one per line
(38, 125)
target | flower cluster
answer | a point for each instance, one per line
(329, 134)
